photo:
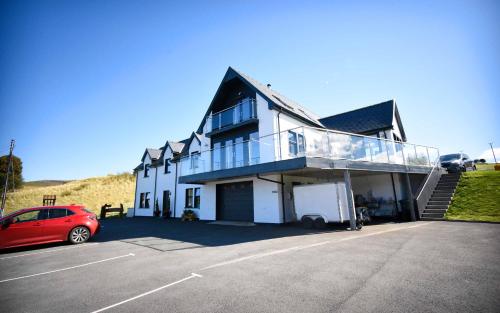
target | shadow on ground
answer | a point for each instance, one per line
(173, 234)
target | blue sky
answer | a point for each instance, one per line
(85, 86)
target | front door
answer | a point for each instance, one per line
(166, 203)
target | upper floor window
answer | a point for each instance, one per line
(146, 170)
(167, 166)
(296, 143)
(195, 158)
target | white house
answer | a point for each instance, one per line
(254, 144)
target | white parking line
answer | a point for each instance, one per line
(193, 275)
(67, 268)
(296, 248)
(48, 251)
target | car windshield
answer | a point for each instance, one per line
(449, 157)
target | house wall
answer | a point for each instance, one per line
(379, 185)
(166, 181)
(266, 199)
(145, 184)
(180, 198)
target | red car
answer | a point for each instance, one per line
(73, 223)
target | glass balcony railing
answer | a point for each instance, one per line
(243, 111)
(310, 142)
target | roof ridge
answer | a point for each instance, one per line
(362, 108)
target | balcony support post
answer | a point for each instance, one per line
(409, 195)
(350, 199)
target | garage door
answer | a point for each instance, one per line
(235, 202)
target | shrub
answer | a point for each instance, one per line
(189, 215)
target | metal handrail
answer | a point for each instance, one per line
(232, 107)
(341, 133)
(436, 165)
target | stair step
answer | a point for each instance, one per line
(444, 191)
(439, 202)
(436, 207)
(423, 218)
(440, 198)
(432, 215)
(441, 211)
(447, 184)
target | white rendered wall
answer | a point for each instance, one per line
(266, 199)
(166, 181)
(145, 184)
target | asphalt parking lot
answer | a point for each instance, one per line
(154, 265)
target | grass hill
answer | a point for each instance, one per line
(91, 192)
(477, 197)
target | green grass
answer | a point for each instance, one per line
(91, 192)
(485, 167)
(477, 197)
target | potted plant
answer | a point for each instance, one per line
(157, 209)
(189, 215)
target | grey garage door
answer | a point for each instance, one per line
(235, 202)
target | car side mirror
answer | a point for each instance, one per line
(463, 159)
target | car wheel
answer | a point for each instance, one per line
(79, 235)
(319, 223)
(307, 222)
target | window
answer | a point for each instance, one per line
(31, 216)
(146, 170)
(254, 148)
(57, 213)
(192, 198)
(167, 166)
(197, 198)
(189, 198)
(296, 143)
(239, 151)
(195, 157)
(144, 202)
(216, 156)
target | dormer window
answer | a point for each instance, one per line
(167, 166)
(146, 170)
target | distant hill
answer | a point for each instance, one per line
(91, 192)
(45, 183)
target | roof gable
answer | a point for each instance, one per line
(275, 99)
(364, 120)
(153, 154)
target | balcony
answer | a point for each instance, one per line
(308, 142)
(245, 112)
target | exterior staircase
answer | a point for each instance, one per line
(441, 197)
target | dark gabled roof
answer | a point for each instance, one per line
(139, 167)
(154, 154)
(187, 143)
(366, 120)
(275, 99)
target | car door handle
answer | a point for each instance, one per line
(67, 221)
(37, 224)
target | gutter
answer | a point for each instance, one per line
(154, 199)
(175, 189)
(135, 195)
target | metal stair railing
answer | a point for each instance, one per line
(428, 187)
